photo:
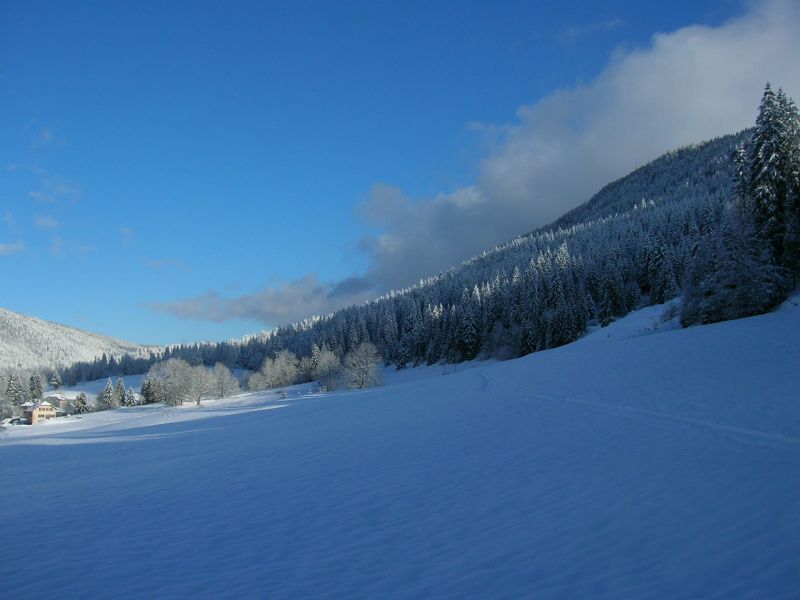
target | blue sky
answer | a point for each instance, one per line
(172, 172)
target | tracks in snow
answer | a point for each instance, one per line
(486, 385)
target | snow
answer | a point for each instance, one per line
(642, 461)
(30, 343)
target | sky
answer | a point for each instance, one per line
(184, 171)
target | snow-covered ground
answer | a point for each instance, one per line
(642, 461)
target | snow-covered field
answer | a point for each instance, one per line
(640, 462)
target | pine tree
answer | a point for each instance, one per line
(119, 392)
(81, 405)
(130, 398)
(791, 205)
(773, 183)
(146, 390)
(36, 387)
(14, 391)
(106, 398)
(56, 382)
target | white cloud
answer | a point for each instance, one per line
(686, 86)
(683, 87)
(51, 189)
(45, 222)
(283, 303)
(11, 248)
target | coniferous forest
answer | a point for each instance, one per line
(717, 223)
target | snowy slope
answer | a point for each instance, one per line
(32, 343)
(639, 462)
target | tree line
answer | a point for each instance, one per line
(716, 222)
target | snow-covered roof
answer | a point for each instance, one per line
(59, 397)
(31, 406)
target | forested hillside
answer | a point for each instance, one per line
(30, 343)
(716, 221)
(629, 245)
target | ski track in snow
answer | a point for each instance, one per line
(486, 385)
(622, 466)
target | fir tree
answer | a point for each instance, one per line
(81, 405)
(130, 398)
(56, 382)
(36, 387)
(14, 391)
(119, 392)
(773, 183)
(106, 398)
(146, 390)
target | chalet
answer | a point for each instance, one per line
(39, 411)
(62, 405)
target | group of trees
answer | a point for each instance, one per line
(751, 260)
(358, 369)
(114, 396)
(175, 381)
(18, 387)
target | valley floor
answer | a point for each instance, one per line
(641, 461)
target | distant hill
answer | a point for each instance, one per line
(30, 343)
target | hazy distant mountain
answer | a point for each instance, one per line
(27, 342)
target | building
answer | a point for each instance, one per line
(39, 411)
(62, 405)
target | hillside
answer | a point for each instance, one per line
(668, 469)
(631, 243)
(31, 343)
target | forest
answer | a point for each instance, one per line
(717, 223)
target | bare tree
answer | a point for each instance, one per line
(275, 372)
(361, 367)
(173, 378)
(200, 383)
(328, 368)
(225, 383)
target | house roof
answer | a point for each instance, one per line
(31, 406)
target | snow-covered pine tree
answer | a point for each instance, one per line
(36, 386)
(56, 382)
(146, 390)
(119, 392)
(130, 398)
(791, 208)
(773, 181)
(81, 404)
(14, 390)
(106, 398)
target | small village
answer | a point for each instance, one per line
(42, 406)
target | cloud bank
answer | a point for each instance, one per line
(284, 303)
(685, 86)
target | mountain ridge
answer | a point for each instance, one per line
(28, 342)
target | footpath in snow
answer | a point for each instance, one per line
(642, 461)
